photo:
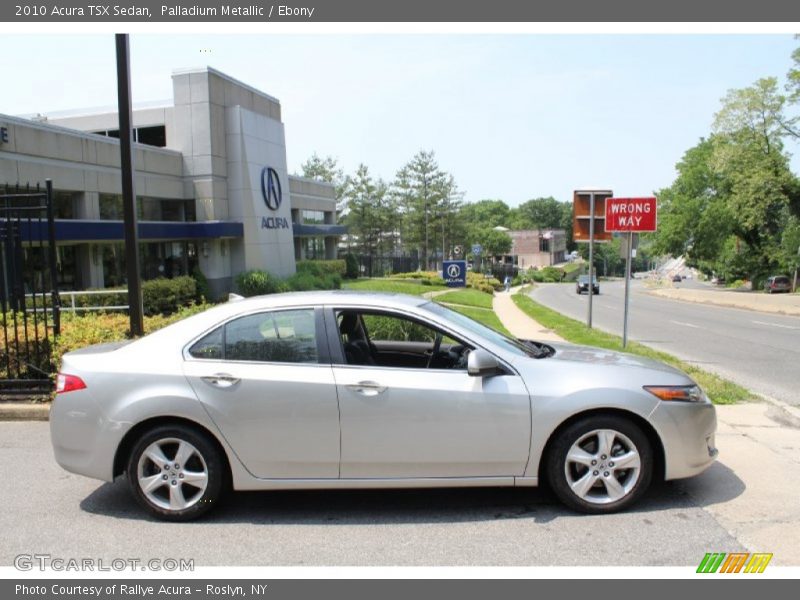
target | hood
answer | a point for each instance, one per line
(600, 356)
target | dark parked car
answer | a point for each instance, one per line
(582, 285)
(677, 278)
(778, 283)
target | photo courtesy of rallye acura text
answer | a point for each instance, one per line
(364, 390)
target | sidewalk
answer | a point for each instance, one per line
(517, 322)
(784, 304)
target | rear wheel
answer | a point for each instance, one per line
(176, 473)
(600, 464)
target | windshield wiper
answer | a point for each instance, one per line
(540, 350)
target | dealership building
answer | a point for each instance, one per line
(212, 185)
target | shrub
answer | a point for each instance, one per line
(323, 267)
(79, 331)
(256, 283)
(301, 282)
(480, 282)
(203, 289)
(351, 270)
(165, 296)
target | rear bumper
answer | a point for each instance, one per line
(84, 440)
(688, 432)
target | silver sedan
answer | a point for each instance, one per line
(363, 390)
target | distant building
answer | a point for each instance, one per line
(538, 247)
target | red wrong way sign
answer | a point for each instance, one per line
(631, 214)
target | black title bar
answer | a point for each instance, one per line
(365, 11)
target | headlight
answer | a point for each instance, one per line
(681, 393)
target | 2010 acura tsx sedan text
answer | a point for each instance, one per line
(365, 390)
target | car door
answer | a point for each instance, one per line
(266, 381)
(411, 421)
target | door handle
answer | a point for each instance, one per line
(222, 380)
(367, 388)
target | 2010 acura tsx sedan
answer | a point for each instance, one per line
(364, 390)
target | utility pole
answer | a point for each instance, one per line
(128, 192)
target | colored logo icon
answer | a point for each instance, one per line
(735, 562)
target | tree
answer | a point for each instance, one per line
(734, 193)
(539, 213)
(793, 78)
(372, 215)
(326, 169)
(493, 242)
(427, 198)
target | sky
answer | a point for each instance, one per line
(510, 116)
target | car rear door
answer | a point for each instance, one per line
(266, 381)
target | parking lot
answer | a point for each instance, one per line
(47, 510)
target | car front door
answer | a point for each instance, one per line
(409, 420)
(266, 381)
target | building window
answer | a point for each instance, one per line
(313, 217)
(64, 205)
(314, 248)
(148, 209)
(155, 135)
(152, 136)
(157, 259)
(111, 207)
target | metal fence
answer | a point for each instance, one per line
(29, 301)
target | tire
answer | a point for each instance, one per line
(176, 492)
(584, 487)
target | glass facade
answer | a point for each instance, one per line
(159, 259)
(148, 209)
(314, 248)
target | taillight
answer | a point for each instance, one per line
(68, 383)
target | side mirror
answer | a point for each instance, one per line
(482, 364)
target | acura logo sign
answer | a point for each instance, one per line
(453, 271)
(271, 188)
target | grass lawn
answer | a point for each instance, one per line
(397, 286)
(467, 298)
(721, 391)
(482, 315)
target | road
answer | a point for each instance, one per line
(49, 511)
(757, 350)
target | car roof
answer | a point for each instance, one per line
(195, 324)
(387, 299)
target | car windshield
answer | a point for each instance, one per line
(585, 279)
(515, 346)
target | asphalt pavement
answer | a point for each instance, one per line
(49, 511)
(758, 350)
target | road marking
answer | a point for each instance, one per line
(775, 325)
(686, 324)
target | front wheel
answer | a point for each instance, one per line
(600, 464)
(176, 473)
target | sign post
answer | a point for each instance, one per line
(629, 215)
(587, 227)
(454, 273)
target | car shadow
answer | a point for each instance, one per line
(415, 506)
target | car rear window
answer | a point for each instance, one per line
(287, 336)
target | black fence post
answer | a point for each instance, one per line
(53, 258)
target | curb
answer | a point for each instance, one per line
(24, 411)
(791, 413)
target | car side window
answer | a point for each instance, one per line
(287, 336)
(390, 340)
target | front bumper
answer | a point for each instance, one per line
(687, 431)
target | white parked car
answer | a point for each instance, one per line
(361, 390)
